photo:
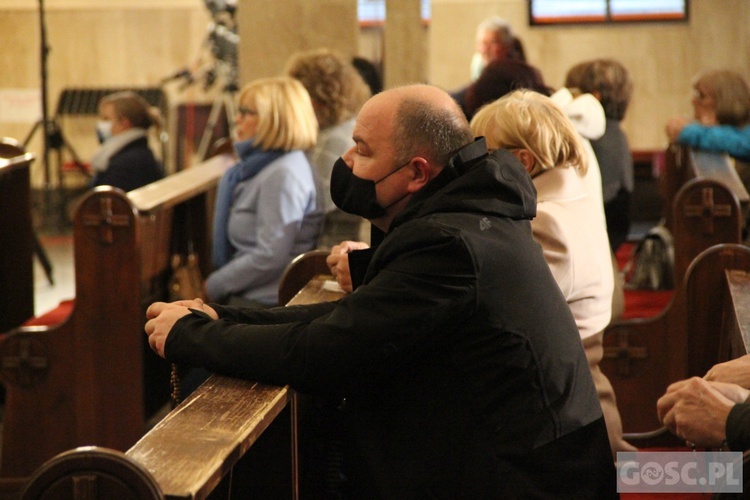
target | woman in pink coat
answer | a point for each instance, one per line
(569, 224)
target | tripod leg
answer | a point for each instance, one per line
(31, 133)
(229, 109)
(42, 256)
(208, 132)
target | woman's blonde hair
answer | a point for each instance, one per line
(730, 93)
(525, 119)
(286, 119)
(333, 82)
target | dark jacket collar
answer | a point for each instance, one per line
(476, 181)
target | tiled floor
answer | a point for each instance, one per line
(59, 251)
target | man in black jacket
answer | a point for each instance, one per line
(457, 357)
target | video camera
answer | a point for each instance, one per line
(224, 41)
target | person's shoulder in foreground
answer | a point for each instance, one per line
(457, 356)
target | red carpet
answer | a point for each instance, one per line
(53, 317)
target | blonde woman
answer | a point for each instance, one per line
(267, 206)
(337, 92)
(569, 224)
(125, 160)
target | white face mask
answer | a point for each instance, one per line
(103, 130)
(477, 66)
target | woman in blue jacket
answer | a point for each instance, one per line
(268, 208)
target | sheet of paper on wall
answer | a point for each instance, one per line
(20, 105)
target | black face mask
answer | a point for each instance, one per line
(356, 195)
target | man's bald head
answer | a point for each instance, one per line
(425, 121)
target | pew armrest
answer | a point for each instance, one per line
(188, 452)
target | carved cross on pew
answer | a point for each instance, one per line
(625, 353)
(23, 361)
(707, 210)
(106, 220)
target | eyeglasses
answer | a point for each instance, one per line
(245, 111)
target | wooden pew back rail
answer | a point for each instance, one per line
(705, 213)
(683, 164)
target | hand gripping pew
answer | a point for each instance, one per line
(201, 449)
(92, 379)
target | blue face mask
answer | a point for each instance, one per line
(355, 195)
(103, 130)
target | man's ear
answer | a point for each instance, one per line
(422, 172)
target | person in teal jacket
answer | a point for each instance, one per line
(721, 102)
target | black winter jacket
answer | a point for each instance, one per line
(132, 167)
(458, 358)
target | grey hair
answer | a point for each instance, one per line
(500, 26)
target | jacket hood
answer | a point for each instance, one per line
(476, 181)
(584, 111)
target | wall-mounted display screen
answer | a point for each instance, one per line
(604, 11)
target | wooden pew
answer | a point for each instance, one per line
(705, 212)
(728, 340)
(92, 379)
(704, 202)
(16, 242)
(643, 356)
(683, 164)
(200, 442)
(736, 318)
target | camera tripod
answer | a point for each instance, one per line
(225, 103)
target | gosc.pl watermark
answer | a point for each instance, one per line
(679, 472)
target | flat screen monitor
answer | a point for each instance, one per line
(545, 12)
